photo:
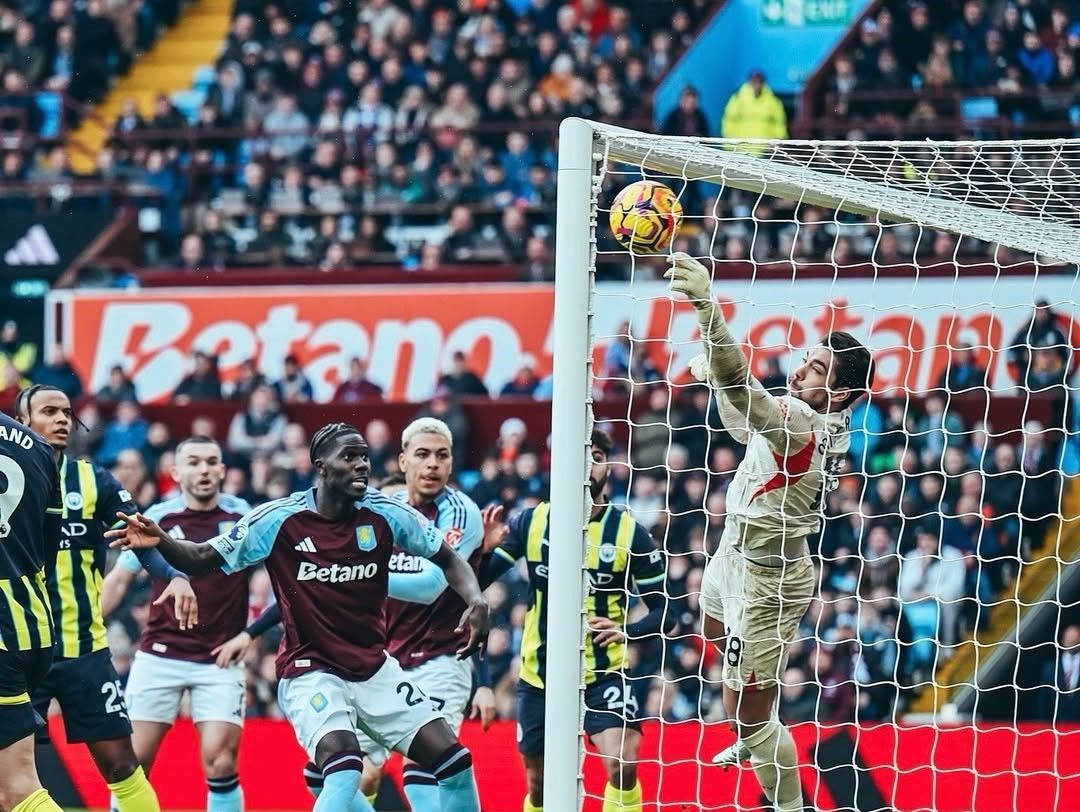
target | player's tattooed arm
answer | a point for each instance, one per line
(136, 532)
(460, 577)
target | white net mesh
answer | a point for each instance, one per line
(929, 670)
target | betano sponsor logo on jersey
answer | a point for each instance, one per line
(336, 573)
(401, 561)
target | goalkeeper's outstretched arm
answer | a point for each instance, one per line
(723, 364)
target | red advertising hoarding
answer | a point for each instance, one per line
(408, 333)
(1029, 768)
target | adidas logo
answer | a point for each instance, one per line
(33, 248)
(306, 546)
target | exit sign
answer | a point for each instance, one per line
(806, 12)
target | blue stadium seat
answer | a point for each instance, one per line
(204, 77)
(52, 113)
(188, 103)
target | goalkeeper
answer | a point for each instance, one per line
(758, 585)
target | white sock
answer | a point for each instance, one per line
(775, 762)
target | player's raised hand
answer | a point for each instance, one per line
(605, 632)
(476, 619)
(690, 277)
(232, 650)
(483, 706)
(186, 606)
(135, 533)
(495, 531)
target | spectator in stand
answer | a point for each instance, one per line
(524, 382)
(126, 431)
(21, 354)
(117, 387)
(358, 388)
(461, 380)
(513, 440)
(248, 378)
(754, 111)
(445, 407)
(1046, 371)
(931, 584)
(1041, 330)
(381, 451)
(686, 119)
(259, 427)
(203, 383)
(24, 55)
(968, 36)
(1060, 691)
(963, 373)
(294, 386)
(287, 128)
(58, 372)
(1036, 60)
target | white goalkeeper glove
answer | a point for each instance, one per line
(699, 367)
(690, 277)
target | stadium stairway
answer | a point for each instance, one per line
(1060, 547)
(169, 67)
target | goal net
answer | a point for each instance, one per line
(938, 665)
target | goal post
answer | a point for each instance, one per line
(769, 211)
(571, 421)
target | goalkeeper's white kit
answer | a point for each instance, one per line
(760, 581)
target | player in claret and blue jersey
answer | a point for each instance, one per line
(174, 659)
(327, 552)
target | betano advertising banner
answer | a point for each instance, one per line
(408, 334)
(1029, 768)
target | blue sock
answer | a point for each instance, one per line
(457, 787)
(421, 789)
(338, 791)
(314, 780)
(341, 782)
(225, 794)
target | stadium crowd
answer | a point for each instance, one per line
(913, 60)
(912, 552)
(422, 134)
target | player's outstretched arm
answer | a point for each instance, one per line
(136, 532)
(723, 364)
(462, 580)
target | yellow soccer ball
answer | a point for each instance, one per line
(645, 216)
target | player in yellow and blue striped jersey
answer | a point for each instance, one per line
(29, 529)
(620, 553)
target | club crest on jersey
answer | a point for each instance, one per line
(607, 553)
(225, 527)
(454, 536)
(365, 537)
(319, 703)
(74, 501)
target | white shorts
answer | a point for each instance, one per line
(385, 711)
(448, 683)
(156, 686)
(760, 607)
